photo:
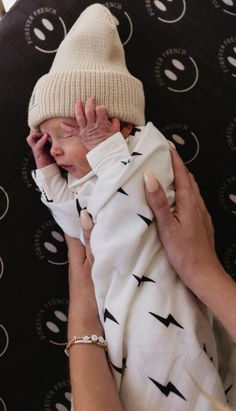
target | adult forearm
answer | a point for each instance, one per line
(93, 387)
(215, 288)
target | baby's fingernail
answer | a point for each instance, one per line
(86, 221)
(171, 144)
(150, 181)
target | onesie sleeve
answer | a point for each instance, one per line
(58, 198)
(120, 165)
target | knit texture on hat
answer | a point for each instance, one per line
(90, 61)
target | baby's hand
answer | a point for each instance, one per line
(93, 124)
(37, 141)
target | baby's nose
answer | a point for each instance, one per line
(56, 150)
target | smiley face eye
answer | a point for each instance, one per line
(38, 33)
(47, 24)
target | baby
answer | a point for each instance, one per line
(158, 333)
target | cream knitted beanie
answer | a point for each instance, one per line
(90, 61)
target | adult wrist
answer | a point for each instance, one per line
(83, 325)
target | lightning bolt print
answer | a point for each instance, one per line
(122, 191)
(145, 219)
(135, 153)
(120, 370)
(167, 389)
(78, 206)
(167, 321)
(143, 279)
(109, 316)
(125, 162)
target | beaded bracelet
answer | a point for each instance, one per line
(86, 339)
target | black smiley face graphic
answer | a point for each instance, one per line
(169, 11)
(229, 6)
(2, 405)
(61, 398)
(4, 203)
(179, 72)
(53, 245)
(1, 267)
(47, 32)
(54, 323)
(123, 22)
(231, 134)
(4, 340)
(230, 57)
(185, 141)
(227, 195)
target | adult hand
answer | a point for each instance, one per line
(93, 124)
(38, 143)
(187, 233)
(187, 236)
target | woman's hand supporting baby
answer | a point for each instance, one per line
(187, 236)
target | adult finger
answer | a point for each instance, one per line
(87, 226)
(203, 209)
(197, 193)
(181, 173)
(158, 202)
(80, 114)
(90, 112)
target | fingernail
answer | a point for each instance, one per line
(171, 144)
(86, 221)
(150, 181)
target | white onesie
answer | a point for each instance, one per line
(159, 335)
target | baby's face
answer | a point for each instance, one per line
(66, 148)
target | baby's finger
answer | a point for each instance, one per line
(80, 115)
(115, 124)
(33, 138)
(90, 113)
(101, 113)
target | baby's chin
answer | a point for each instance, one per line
(77, 173)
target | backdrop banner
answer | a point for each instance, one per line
(184, 52)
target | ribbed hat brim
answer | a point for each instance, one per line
(59, 91)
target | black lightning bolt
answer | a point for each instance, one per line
(147, 220)
(125, 162)
(135, 153)
(228, 389)
(166, 389)
(122, 369)
(167, 321)
(143, 279)
(120, 190)
(108, 315)
(45, 195)
(78, 206)
(133, 131)
(204, 348)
